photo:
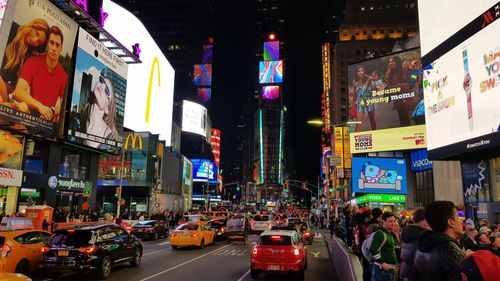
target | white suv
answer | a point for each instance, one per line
(261, 222)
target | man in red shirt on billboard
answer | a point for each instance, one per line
(42, 79)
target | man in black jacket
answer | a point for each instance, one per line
(409, 237)
(438, 256)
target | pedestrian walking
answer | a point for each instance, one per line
(439, 257)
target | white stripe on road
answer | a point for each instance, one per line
(164, 243)
(184, 263)
(155, 252)
(244, 275)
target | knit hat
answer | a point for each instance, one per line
(481, 265)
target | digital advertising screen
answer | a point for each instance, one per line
(386, 93)
(270, 72)
(150, 84)
(36, 49)
(206, 56)
(11, 150)
(271, 50)
(194, 118)
(98, 98)
(204, 169)
(379, 175)
(270, 92)
(202, 75)
(187, 176)
(205, 94)
(462, 93)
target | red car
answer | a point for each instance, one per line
(279, 251)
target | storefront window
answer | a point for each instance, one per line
(36, 157)
(73, 165)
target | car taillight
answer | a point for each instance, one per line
(149, 229)
(254, 251)
(45, 249)
(222, 229)
(172, 235)
(296, 252)
(5, 250)
(88, 249)
(307, 233)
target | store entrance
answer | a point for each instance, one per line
(69, 201)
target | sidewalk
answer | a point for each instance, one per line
(337, 247)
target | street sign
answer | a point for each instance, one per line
(335, 160)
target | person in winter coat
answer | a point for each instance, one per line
(409, 237)
(439, 257)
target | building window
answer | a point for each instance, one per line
(73, 165)
(36, 155)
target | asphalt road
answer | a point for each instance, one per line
(217, 262)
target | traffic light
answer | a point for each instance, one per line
(331, 189)
(238, 187)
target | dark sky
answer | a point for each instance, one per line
(235, 69)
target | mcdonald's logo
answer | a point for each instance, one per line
(135, 137)
(150, 86)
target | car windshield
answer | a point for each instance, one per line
(65, 238)
(275, 240)
(141, 223)
(261, 218)
(187, 227)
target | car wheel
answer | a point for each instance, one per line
(202, 244)
(174, 247)
(104, 269)
(301, 275)
(23, 267)
(137, 258)
(254, 273)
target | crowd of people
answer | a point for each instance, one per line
(435, 244)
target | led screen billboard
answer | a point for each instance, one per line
(379, 175)
(270, 92)
(206, 56)
(270, 72)
(98, 98)
(36, 48)
(11, 150)
(204, 169)
(271, 50)
(202, 75)
(150, 84)
(194, 118)
(205, 94)
(462, 96)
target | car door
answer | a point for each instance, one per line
(208, 234)
(108, 241)
(27, 249)
(125, 240)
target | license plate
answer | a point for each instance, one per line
(63, 253)
(273, 267)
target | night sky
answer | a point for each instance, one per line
(235, 72)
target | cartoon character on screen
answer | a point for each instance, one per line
(372, 173)
(101, 109)
(390, 176)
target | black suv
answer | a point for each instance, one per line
(90, 248)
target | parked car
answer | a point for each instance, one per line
(279, 251)
(90, 248)
(219, 226)
(150, 229)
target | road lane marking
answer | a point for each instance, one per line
(244, 275)
(164, 243)
(315, 254)
(153, 252)
(184, 263)
(230, 253)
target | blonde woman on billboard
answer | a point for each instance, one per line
(101, 110)
(30, 40)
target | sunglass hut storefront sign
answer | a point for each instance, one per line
(70, 184)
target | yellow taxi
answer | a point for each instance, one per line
(4, 276)
(213, 215)
(20, 249)
(192, 234)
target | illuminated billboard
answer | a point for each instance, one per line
(270, 92)
(204, 169)
(98, 98)
(411, 137)
(379, 175)
(270, 72)
(202, 75)
(194, 118)
(215, 142)
(11, 150)
(205, 94)
(207, 54)
(36, 50)
(461, 88)
(271, 50)
(150, 84)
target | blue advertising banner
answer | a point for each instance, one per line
(420, 161)
(203, 169)
(379, 175)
